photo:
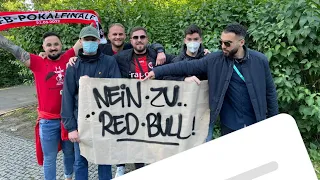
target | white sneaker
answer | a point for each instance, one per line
(120, 171)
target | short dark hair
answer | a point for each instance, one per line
(47, 34)
(236, 28)
(137, 28)
(192, 29)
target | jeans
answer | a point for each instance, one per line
(81, 167)
(50, 137)
(210, 131)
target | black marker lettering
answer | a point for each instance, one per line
(102, 120)
(129, 132)
(152, 125)
(130, 97)
(98, 97)
(179, 128)
(159, 94)
(116, 123)
(174, 98)
(122, 97)
(110, 94)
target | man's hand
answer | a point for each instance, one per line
(192, 79)
(72, 61)
(151, 75)
(161, 58)
(206, 51)
(43, 55)
(74, 136)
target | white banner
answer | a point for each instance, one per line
(129, 121)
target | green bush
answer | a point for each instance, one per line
(9, 73)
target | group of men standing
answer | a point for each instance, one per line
(241, 89)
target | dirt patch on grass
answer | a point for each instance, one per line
(20, 122)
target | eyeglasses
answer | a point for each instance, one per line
(226, 43)
(142, 37)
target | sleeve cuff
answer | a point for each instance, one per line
(160, 50)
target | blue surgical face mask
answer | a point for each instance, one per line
(90, 46)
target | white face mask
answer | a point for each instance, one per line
(193, 46)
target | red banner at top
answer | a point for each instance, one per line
(36, 18)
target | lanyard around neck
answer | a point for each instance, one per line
(238, 72)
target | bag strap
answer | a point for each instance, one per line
(239, 73)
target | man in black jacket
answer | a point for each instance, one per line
(117, 36)
(192, 49)
(92, 63)
(135, 64)
(241, 88)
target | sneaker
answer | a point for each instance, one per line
(120, 171)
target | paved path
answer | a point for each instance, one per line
(18, 161)
(16, 97)
(17, 155)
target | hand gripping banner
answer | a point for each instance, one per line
(35, 18)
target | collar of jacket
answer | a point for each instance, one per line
(246, 53)
(200, 53)
(150, 53)
(245, 57)
(89, 58)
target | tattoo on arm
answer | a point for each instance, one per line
(17, 51)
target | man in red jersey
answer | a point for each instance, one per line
(49, 77)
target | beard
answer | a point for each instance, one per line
(54, 57)
(140, 50)
(231, 53)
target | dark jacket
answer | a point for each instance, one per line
(107, 48)
(183, 56)
(99, 66)
(124, 59)
(219, 69)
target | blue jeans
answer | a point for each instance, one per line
(81, 167)
(50, 137)
(210, 131)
